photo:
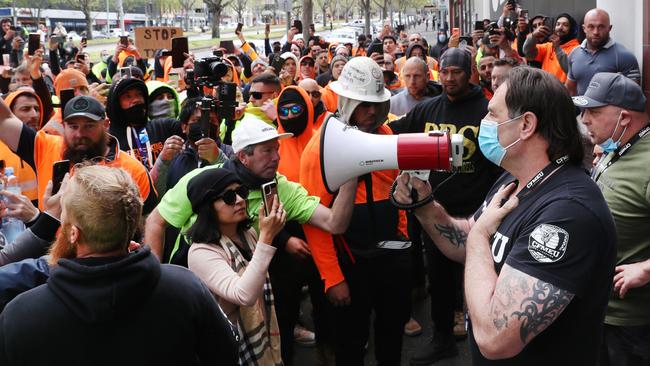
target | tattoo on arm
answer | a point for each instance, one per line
(540, 309)
(456, 236)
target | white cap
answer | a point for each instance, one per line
(361, 79)
(251, 131)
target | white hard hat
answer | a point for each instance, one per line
(361, 79)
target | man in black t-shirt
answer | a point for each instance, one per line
(539, 254)
(458, 110)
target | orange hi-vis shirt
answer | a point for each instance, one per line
(546, 55)
(49, 149)
(321, 243)
(23, 171)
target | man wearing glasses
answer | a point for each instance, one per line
(307, 68)
(314, 90)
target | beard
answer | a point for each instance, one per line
(62, 248)
(89, 152)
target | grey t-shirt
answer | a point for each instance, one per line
(613, 57)
(403, 102)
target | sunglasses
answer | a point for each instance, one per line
(307, 63)
(229, 197)
(315, 93)
(295, 109)
(258, 95)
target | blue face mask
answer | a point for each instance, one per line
(609, 145)
(488, 140)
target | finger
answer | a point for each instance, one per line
(618, 276)
(619, 268)
(623, 290)
(261, 212)
(276, 202)
(48, 190)
(12, 197)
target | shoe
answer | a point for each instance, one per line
(459, 328)
(412, 328)
(440, 347)
(304, 337)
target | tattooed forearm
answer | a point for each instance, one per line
(456, 237)
(540, 309)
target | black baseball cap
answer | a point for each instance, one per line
(608, 88)
(84, 106)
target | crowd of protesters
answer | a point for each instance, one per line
(179, 214)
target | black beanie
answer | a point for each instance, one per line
(207, 185)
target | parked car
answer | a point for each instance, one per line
(99, 35)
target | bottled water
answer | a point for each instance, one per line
(11, 227)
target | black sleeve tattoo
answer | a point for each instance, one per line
(455, 236)
(541, 309)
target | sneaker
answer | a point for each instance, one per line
(459, 328)
(304, 337)
(440, 347)
(412, 328)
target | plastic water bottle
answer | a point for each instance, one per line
(11, 227)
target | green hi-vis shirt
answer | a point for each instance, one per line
(176, 209)
(626, 187)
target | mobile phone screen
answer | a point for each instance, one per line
(179, 47)
(66, 95)
(34, 43)
(239, 27)
(59, 169)
(478, 25)
(298, 25)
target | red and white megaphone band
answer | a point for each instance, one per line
(347, 152)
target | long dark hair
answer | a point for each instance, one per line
(206, 227)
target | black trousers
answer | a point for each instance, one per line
(382, 284)
(626, 346)
(288, 274)
(445, 287)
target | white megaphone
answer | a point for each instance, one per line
(347, 152)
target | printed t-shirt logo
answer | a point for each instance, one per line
(548, 243)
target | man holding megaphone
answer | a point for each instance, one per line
(368, 267)
(539, 254)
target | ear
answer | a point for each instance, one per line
(75, 233)
(528, 126)
(243, 158)
(107, 123)
(626, 118)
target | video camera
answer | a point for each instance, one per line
(208, 71)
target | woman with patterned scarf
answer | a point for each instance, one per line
(228, 256)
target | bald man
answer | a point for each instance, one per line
(598, 53)
(415, 76)
(314, 90)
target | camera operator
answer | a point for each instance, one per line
(178, 156)
(551, 47)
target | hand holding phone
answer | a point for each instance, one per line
(238, 29)
(269, 192)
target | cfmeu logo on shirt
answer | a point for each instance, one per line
(547, 243)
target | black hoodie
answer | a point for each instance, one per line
(127, 310)
(465, 192)
(157, 130)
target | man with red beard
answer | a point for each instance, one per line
(99, 289)
(85, 137)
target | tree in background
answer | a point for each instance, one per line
(216, 7)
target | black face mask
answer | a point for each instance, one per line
(136, 115)
(296, 125)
